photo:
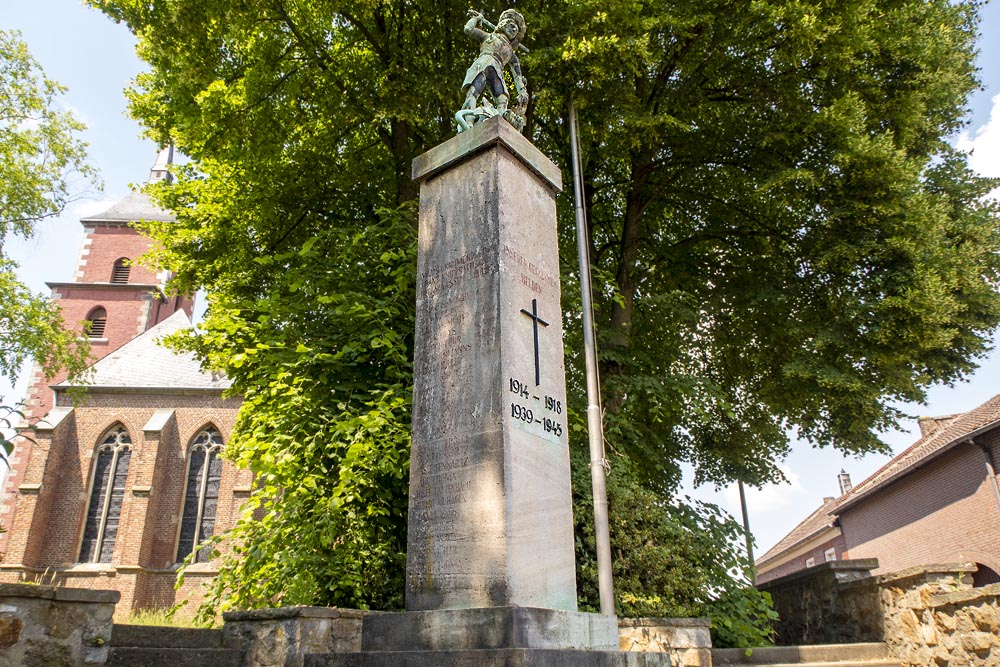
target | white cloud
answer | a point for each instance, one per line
(85, 208)
(983, 144)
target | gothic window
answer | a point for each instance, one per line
(202, 494)
(98, 319)
(119, 274)
(106, 496)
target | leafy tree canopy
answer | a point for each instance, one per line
(42, 168)
(781, 236)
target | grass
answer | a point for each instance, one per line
(160, 617)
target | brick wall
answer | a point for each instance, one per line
(130, 311)
(103, 245)
(817, 553)
(945, 512)
(49, 520)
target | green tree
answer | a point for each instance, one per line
(781, 236)
(42, 167)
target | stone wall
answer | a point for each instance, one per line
(927, 616)
(687, 640)
(832, 603)
(283, 636)
(933, 616)
(45, 626)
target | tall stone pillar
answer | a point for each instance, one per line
(490, 577)
(490, 519)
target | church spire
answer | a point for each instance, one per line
(161, 169)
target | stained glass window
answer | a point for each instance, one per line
(106, 496)
(202, 495)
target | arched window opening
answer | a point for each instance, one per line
(106, 496)
(984, 576)
(119, 274)
(98, 320)
(202, 496)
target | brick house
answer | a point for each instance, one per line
(936, 502)
(119, 487)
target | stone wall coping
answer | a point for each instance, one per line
(53, 419)
(59, 593)
(924, 570)
(964, 597)
(285, 613)
(858, 565)
(483, 136)
(664, 622)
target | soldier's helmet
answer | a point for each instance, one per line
(515, 16)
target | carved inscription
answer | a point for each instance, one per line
(533, 276)
(538, 413)
(456, 272)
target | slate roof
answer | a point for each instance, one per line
(814, 524)
(142, 363)
(951, 431)
(136, 206)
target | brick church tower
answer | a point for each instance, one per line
(119, 486)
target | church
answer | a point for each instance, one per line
(122, 478)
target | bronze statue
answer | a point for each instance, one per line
(497, 50)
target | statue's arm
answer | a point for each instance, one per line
(472, 31)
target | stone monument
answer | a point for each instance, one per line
(490, 576)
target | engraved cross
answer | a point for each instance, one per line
(536, 320)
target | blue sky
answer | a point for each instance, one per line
(95, 59)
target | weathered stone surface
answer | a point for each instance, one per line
(927, 616)
(54, 627)
(493, 658)
(10, 630)
(489, 628)
(687, 640)
(490, 520)
(281, 637)
(836, 602)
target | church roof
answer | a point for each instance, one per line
(949, 432)
(134, 207)
(814, 524)
(143, 363)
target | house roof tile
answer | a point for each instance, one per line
(951, 430)
(144, 363)
(814, 524)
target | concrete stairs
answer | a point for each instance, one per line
(149, 646)
(819, 655)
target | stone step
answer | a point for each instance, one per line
(867, 653)
(885, 662)
(519, 657)
(131, 656)
(154, 636)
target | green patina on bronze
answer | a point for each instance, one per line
(497, 51)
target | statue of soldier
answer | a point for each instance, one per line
(497, 50)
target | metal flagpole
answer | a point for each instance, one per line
(595, 427)
(746, 530)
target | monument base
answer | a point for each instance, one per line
(491, 637)
(511, 657)
(488, 628)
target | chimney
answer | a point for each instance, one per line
(845, 482)
(927, 426)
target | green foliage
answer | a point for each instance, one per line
(41, 159)
(670, 558)
(41, 167)
(325, 420)
(781, 238)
